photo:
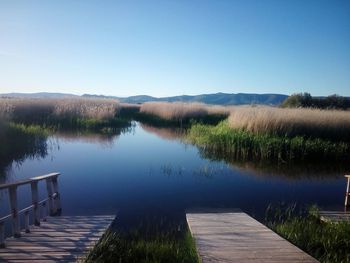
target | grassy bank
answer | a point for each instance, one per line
(257, 133)
(166, 244)
(331, 125)
(115, 247)
(327, 242)
(178, 114)
(223, 140)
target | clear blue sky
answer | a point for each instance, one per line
(173, 47)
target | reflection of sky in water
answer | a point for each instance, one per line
(140, 171)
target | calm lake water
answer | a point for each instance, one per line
(149, 171)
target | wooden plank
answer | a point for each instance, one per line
(236, 237)
(60, 239)
(46, 246)
(334, 216)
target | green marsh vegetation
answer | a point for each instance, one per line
(277, 135)
(180, 114)
(153, 240)
(326, 241)
(18, 142)
(239, 144)
(258, 133)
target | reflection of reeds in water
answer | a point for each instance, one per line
(18, 142)
(106, 140)
(295, 171)
(165, 133)
(209, 171)
(205, 171)
(292, 172)
(171, 170)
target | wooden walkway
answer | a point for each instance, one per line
(334, 216)
(237, 237)
(60, 239)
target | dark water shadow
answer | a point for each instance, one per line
(17, 145)
(292, 171)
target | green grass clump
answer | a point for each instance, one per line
(37, 130)
(180, 114)
(329, 242)
(90, 123)
(19, 141)
(222, 140)
(117, 247)
(158, 121)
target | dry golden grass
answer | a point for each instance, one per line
(87, 108)
(181, 110)
(22, 108)
(301, 121)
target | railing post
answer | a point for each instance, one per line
(26, 221)
(347, 190)
(44, 211)
(51, 207)
(35, 200)
(14, 211)
(58, 197)
(2, 235)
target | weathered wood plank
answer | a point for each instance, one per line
(334, 216)
(60, 239)
(236, 237)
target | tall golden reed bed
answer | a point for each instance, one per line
(75, 107)
(291, 122)
(181, 110)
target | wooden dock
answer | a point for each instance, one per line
(334, 216)
(237, 237)
(51, 238)
(59, 239)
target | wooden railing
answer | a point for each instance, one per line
(347, 193)
(48, 206)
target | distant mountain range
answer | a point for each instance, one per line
(216, 98)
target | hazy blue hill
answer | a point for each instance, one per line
(232, 99)
(217, 98)
(139, 99)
